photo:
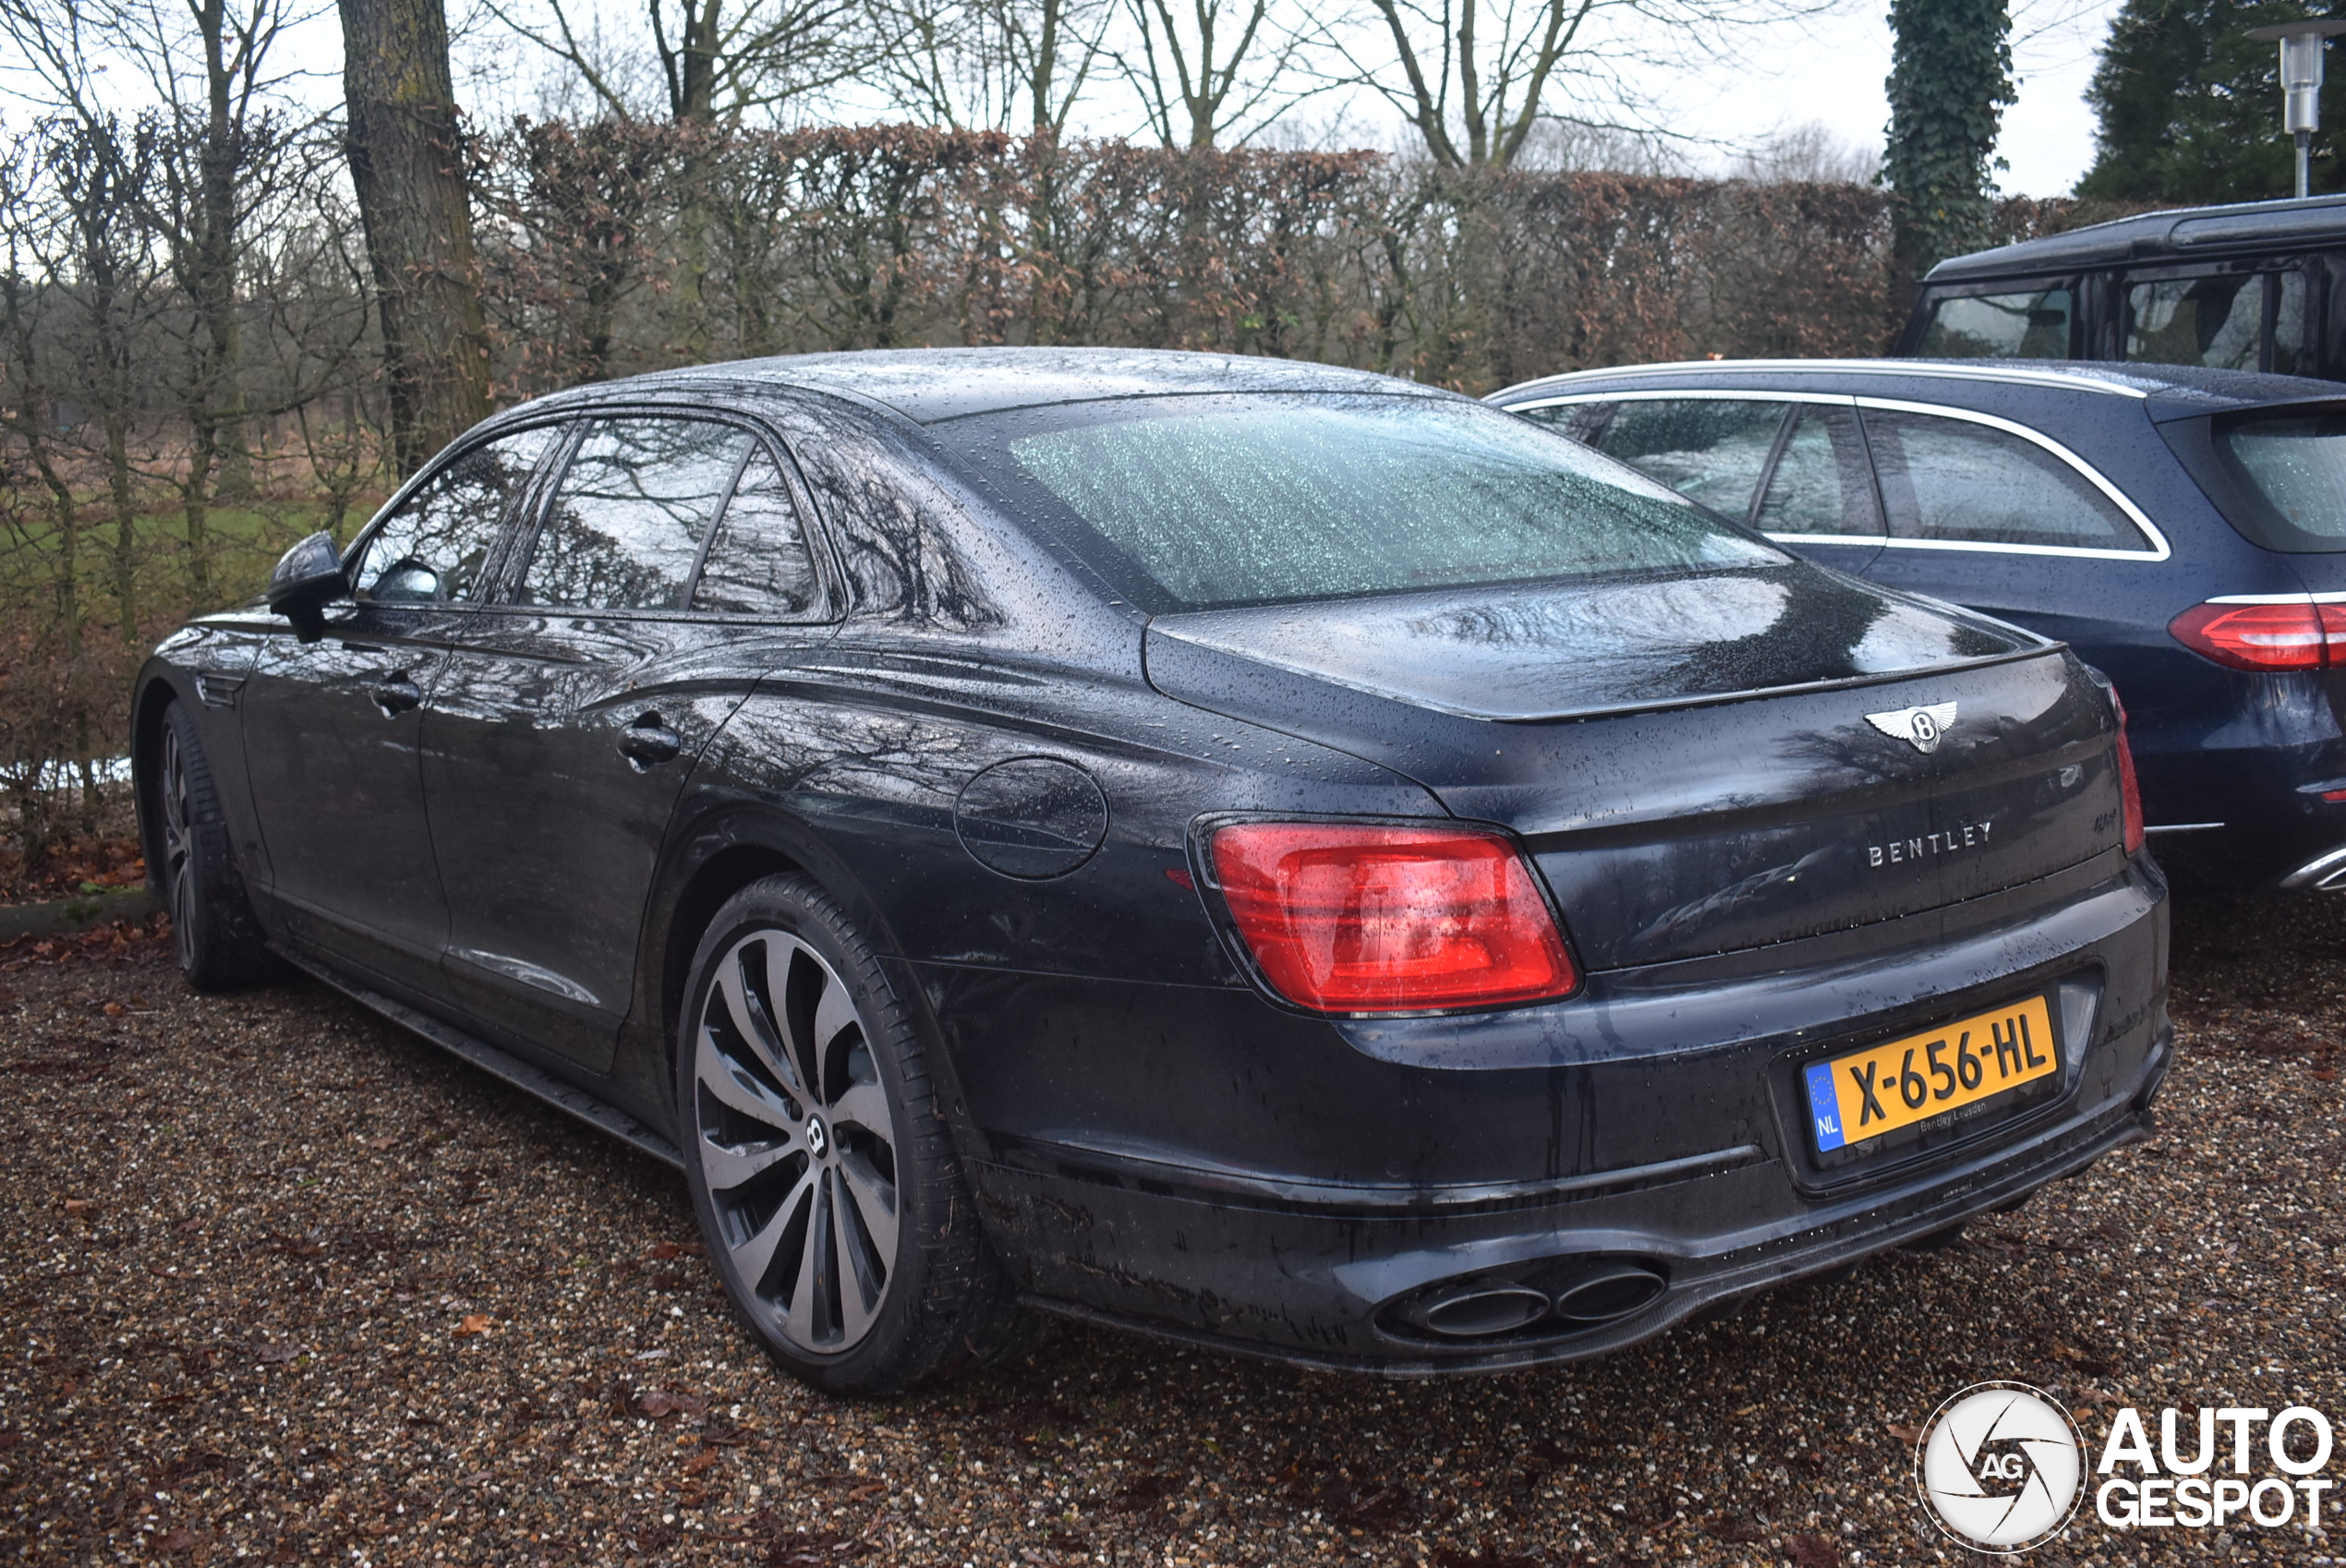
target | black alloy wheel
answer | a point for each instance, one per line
(218, 942)
(822, 1174)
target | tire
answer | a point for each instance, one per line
(219, 944)
(822, 1174)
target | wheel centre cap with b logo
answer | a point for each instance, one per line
(818, 1137)
(2000, 1466)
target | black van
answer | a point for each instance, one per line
(2250, 287)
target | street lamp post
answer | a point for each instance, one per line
(2301, 84)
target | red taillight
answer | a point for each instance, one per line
(2130, 794)
(1364, 919)
(2301, 635)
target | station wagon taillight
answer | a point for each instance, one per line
(1362, 918)
(2294, 635)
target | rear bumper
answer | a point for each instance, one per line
(1315, 1268)
(1307, 1290)
(2257, 800)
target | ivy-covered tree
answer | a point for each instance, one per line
(1950, 81)
(2190, 105)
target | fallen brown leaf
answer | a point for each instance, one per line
(702, 1460)
(1812, 1551)
(1906, 1434)
(385, 1142)
(473, 1323)
(81, 1205)
(656, 1402)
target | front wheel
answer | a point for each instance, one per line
(218, 941)
(822, 1174)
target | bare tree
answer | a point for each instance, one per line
(99, 178)
(218, 137)
(1209, 67)
(992, 64)
(406, 163)
(1475, 78)
(717, 62)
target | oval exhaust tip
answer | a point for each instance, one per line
(1607, 1291)
(1479, 1312)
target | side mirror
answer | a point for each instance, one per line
(308, 578)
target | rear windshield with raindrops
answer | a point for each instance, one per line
(1208, 502)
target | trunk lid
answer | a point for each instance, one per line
(1692, 763)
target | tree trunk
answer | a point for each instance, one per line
(406, 162)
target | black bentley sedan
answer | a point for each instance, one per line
(1265, 854)
(2182, 529)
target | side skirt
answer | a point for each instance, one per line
(530, 1079)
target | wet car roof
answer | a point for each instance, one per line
(2169, 388)
(2173, 234)
(930, 384)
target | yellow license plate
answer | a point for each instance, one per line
(1901, 1083)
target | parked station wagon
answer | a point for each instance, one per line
(1272, 856)
(2183, 530)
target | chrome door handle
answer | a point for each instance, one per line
(394, 693)
(648, 742)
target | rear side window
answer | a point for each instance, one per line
(1198, 502)
(629, 517)
(2296, 465)
(2232, 321)
(1821, 484)
(1958, 482)
(436, 547)
(759, 563)
(1710, 450)
(2031, 324)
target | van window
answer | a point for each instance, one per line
(2234, 321)
(2031, 325)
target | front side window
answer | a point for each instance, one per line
(1821, 484)
(1710, 450)
(1197, 502)
(2025, 324)
(435, 548)
(2232, 321)
(629, 517)
(1963, 483)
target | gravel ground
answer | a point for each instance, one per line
(283, 1284)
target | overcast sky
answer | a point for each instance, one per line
(1834, 76)
(1828, 72)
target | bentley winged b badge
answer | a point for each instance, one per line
(1923, 725)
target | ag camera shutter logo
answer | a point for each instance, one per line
(2001, 1467)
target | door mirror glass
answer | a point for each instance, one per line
(409, 582)
(308, 578)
